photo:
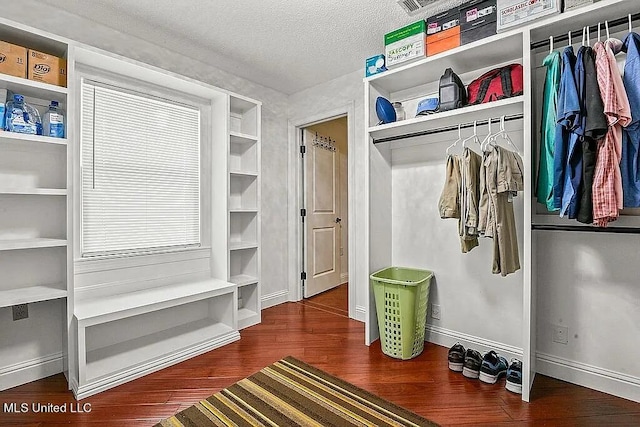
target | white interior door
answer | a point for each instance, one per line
(322, 223)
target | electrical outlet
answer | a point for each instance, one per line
(436, 312)
(560, 334)
(20, 311)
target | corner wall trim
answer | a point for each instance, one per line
(275, 298)
(447, 338)
(361, 313)
(30, 370)
(594, 377)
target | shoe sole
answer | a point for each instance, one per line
(470, 373)
(490, 379)
(456, 367)
(514, 387)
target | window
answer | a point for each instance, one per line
(140, 172)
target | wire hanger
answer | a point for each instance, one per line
(606, 27)
(505, 136)
(599, 37)
(570, 38)
(583, 36)
(487, 139)
(630, 25)
(456, 141)
(550, 44)
(473, 137)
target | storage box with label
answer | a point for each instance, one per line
(477, 20)
(13, 60)
(374, 65)
(406, 44)
(46, 68)
(573, 4)
(512, 13)
(443, 31)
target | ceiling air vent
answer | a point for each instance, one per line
(428, 7)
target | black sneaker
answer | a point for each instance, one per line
(472, 362)
(514, 377)
(493, 367)
(456, 357)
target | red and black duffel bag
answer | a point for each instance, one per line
(498, 83)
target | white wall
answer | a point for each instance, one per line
(274, 113)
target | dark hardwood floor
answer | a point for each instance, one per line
(329, 340)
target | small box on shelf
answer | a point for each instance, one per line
(477, 20)
(406, 44)
(513, 13)
(443, 31)
(13, 59)
(46, 68)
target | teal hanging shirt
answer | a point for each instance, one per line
(548, 130)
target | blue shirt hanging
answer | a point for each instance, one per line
(631, 134)
(568, 109)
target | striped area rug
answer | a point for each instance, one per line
(293, 393)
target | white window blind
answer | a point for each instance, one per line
(140, 172)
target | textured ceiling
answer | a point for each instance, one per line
(287, 45)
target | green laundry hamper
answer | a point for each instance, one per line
(402, 295)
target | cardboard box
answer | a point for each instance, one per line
(375, 65)
(13, 59)
(443, 31)
(572, 4)
(477, 20)
(47, 68)
(512, 13)
(405, 44)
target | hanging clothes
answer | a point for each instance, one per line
(544, 188)
(449, 203)
(631, 134)
(468, 226)
(501, 178)
(607, 183)
(592, 127)
(568, 108)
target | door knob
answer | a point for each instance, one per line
(338, 220)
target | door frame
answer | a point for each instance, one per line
(295, 225)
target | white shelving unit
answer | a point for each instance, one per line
(398, 161)
(244, 206)
(33, 221)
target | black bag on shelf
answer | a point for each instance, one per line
(453, 93)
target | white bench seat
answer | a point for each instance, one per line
(125, 336)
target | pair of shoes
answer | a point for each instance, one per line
(466, 361)
(514, 377)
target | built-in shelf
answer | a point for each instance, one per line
(236, 246)
(242, 138)
(31, 294)
(34, 191)
(33, 88)
(484, 53)
(245, 313)
(243, 210)
(107, 360)
(21, 138)
(243, 280)
(243, 173)
(463, 115)
(10, 245)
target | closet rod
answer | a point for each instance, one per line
(446, 129)
(586, 228)
(577, 35)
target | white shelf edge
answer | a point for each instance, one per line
(236, 246)
(34, 191)
(23, 137)
(16, 244)
(31, 294)
(243, 280)
(243, 173)
(244, 137)
(243, 210)
(19, 81)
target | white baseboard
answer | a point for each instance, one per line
(89, 389)
(30, 370)
(275, 298)
(361, 313)
(594, 377)
(447, 338)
